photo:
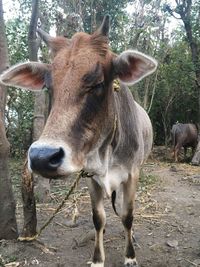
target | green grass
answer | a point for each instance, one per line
(7, 259)
(146, 181)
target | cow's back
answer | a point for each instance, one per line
(147, 132)
(191, 136)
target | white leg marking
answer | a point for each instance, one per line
(97, 264)
(132, 262)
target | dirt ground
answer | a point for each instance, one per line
(167, 224)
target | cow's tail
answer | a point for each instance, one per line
(197, 126)
(113, 199)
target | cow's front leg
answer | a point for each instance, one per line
(99, 219)
(129, 191)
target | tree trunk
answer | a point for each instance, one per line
(8, 224)
(28, 197)
(165, 128)
(42, 186)
(29, 206)
(146, 93)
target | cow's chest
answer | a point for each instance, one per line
(112, 179)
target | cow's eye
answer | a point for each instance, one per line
(98, 88)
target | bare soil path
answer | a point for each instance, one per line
(167, 226)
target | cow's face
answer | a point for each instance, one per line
(83, 109)
(80, 74)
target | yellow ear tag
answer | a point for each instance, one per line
(116, 85)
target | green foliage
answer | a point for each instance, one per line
(17, 31)
(175, 97)
(19, 109)
(93, 16)
(19, 118)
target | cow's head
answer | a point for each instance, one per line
(83, 108)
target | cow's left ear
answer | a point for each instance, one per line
(131, 66)
(30, 75)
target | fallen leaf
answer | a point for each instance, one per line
(12, 264)
(172, 243)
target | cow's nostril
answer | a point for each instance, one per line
(56, 159)
(45, 159)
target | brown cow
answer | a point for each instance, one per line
(183, 135)
(91, 126)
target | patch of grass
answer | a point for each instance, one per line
(11, 259)
(146, 181)
(1, 263)
(7, 259)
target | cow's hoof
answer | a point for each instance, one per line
(101, 264)
(130, 263)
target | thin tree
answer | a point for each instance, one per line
(28, 197)
(8, 224)
(42, 186)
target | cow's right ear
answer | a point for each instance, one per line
(30, 75)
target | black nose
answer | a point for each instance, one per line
(45, 159)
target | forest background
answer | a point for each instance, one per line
(153, 27)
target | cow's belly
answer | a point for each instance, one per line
(112, 180)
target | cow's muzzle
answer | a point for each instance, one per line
(45, 160)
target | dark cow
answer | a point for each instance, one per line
(91, 126)
(183, 135)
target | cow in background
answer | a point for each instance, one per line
(91, 126)
(183, 135)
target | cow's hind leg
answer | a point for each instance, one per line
(99, 219)
(129, 190)
(176, 152)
